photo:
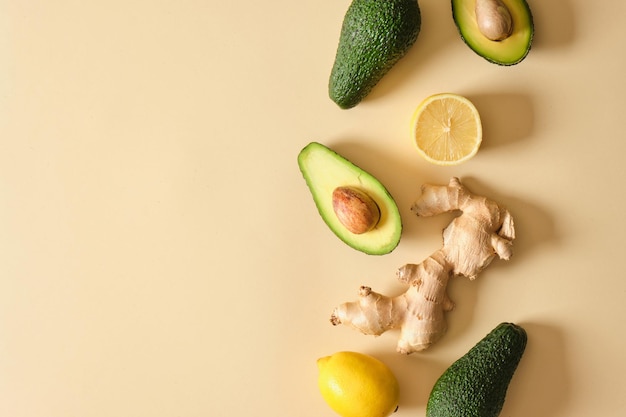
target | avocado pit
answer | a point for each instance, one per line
(355, 209)
(493, 19)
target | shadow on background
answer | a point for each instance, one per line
(540, 386)
(539, 230)
(554, 27)
(555, 23)
(506, 117)
(416, 374)
(436, 34)
(539, 225)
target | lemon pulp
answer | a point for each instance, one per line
(447, 129)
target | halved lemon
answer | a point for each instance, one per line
(447, 129)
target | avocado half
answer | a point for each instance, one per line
(324, 170)
(509, 51)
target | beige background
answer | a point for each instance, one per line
(160, 254)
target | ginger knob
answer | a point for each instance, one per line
(494, 19)
(356, 210)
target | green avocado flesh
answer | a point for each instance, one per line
(375, 35)
(476, 384)
(324, 170)
(509, 51)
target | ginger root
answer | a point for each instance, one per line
(471, 241)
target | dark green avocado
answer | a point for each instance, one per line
(509, 51)
(476, 384)
(324, 171)
(374, 36)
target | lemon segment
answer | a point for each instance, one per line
(357, 385)
(447, 129)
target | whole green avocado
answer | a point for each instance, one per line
(374, 36)
(476, 384)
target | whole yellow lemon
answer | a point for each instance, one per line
(357, 385)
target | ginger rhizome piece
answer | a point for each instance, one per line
(471, 241)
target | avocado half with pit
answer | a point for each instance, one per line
(508, 51)
(335, 182)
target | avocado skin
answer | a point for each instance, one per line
(374, 36)
(476, 384)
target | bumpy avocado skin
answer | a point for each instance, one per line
(476, 384)
(521, 7)
(374, 36)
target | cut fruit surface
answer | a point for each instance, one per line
(447, 129)
(325, 171)
(509, 51)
